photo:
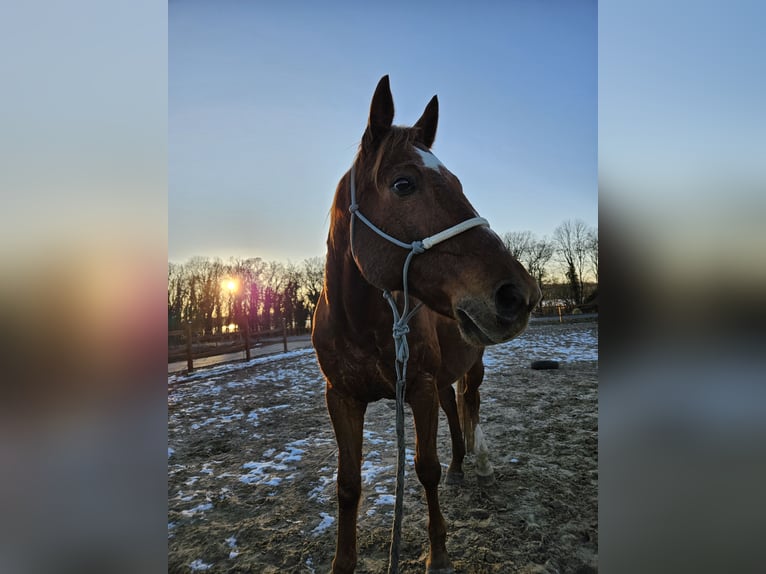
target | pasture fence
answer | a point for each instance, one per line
(190, 344)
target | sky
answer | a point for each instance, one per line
(267, 103)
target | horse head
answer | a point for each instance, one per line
(407, 193)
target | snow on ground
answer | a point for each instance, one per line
(533, 345)
(231, 542)
(197, 509)
(271, 469)
(235, 366)
(327, 521)
(199, 406)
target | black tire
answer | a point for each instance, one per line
(544, 365)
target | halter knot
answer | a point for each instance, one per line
(400, 330)
(353, 208)
(417, 247)
(401, 346)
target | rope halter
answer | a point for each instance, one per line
(400, 330)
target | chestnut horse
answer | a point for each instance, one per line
(474, 293)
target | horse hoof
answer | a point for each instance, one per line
(455, 478)
(485, 480)
(447, 570)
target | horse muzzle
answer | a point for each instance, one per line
(496, 319)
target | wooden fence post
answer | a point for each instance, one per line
(284, 333)
(189, 360)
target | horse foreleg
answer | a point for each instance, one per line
(449, 406)
(475, 441)
(425, 410)
(347, 417)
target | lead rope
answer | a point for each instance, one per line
(400, 330)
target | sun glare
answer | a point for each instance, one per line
(230, 285)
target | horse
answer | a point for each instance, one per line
(472, 291)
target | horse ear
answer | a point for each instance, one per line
(428, 122)
(381, 114)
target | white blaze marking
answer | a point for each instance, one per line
(429, 160)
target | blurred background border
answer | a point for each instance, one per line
(83, 170)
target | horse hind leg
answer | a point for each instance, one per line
(449, 406)
(485, 472)
(347, 417)
(475, 441)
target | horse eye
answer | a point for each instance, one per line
(403, 186)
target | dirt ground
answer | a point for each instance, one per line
(251, 462)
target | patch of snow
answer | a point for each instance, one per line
(321, 493)
(292, 454)
(199, 565)
(372, 438)
(326, 522)
(232, 543)
(230, 418)
(274, 408)
(565, 347)
(200, 508)
(225, 475)
(371, 470)
(385, 500)
(260, 472)
(229, 367)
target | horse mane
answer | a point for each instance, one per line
(368, 168)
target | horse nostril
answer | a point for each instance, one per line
(509, 302)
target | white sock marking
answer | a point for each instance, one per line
(483, 466)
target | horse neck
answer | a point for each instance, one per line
(353, 301)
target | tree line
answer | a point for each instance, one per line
(565, 265)
(212, 294)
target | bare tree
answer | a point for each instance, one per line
(312, 280)
(593, 252)
(273, 280)
(177, 294)
(293, 309)
(538, 256)
(518, 243)
(571, 239)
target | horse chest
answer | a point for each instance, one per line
(365, 370)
